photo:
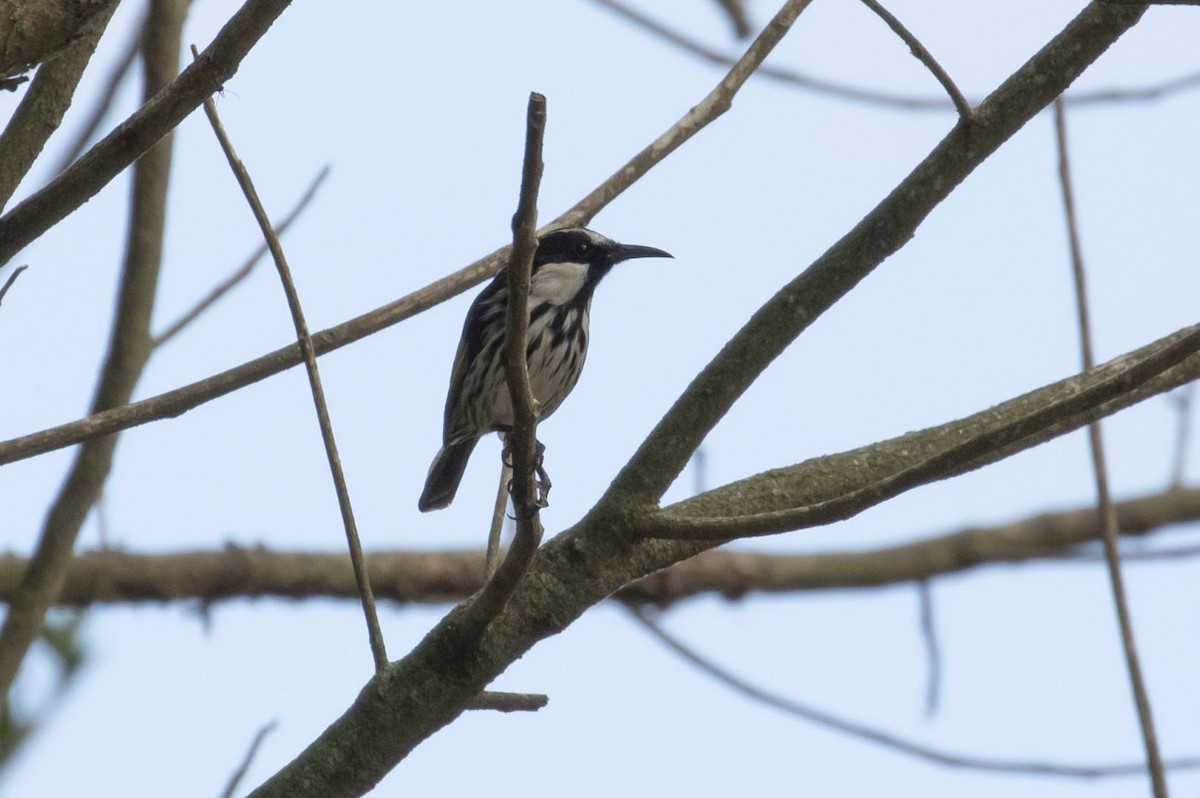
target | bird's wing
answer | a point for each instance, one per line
(487, 310)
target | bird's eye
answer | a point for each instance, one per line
(583, 249)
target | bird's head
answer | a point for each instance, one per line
(569, 262)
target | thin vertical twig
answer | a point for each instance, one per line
(933, 651)
(492, 557)
(1183, 406)
(1108, 515)
(374, 633)
(520, 442)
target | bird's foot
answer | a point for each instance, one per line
(543, 479)
(541, 500)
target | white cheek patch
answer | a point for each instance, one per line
(558, 283)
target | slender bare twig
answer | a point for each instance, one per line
(492, 558)
(233, 280)
(892, 742)
(1183, 408)
(933, 652)
(374, 633)
(187, 397)
(1187, 82)
(116, 76)
(1108, 515)
(236, 777)
(924, 56)
(128, 351)
(12, 278)
(520, 442)
(510, 702)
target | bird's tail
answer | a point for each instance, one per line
(445, 474)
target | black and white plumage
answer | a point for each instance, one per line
(567, 266)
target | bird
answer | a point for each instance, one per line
(568, 264)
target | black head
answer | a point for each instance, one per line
(580, 245)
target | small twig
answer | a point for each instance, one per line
(892, 742)
(12, 278)
(231, 282)
(509, 702)
(1108, 515)
(236, 777)
(924, 56)
(492, 558)
(520, 442)
(1183, 406)
(933, 652)
(375, 634)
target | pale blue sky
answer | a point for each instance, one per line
(419, 109)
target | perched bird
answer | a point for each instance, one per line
(567, 266)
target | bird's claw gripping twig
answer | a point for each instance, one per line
(542, 499)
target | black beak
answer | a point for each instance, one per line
(630, 251)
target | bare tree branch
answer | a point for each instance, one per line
(374, 633)
(109, 576)
(510, 702)
(129, 349)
